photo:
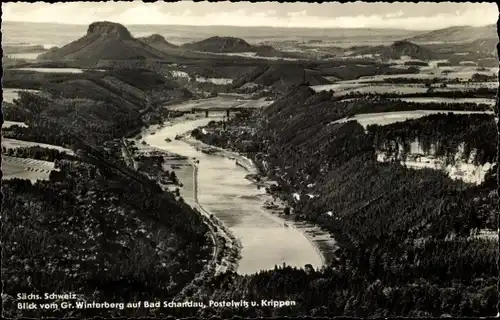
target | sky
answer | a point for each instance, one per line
(415, 16)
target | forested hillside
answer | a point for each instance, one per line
(102, 235)
(407, 237)
(103, 40)
(446, 133)
(97, 105)
(96, 227)
(352, 171)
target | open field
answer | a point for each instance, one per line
(373, 89)
(7, 124)
(25, 168)
(218, 81)
(14, 143)
(252, 55)
(377, 86)
(491, 102)
(24, 56)
(430, 79)
(463, 73)
(10, 94)
(381, 80)
(400, 116)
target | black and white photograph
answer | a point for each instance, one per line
(252, 159)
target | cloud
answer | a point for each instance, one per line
(262, 14)
(421, 16)
(394, 14)
(302, 13)
(187, 13)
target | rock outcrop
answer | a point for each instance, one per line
(237, 45)
(220, 45)
(405, 48)
(109, 29)
(104, 41)
(397, 50)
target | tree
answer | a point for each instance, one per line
(31, 102)
(466, 309)
(173, 177)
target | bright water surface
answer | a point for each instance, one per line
(224, 191)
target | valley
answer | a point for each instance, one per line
(352, 170)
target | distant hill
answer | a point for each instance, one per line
(109, 41)
(483, 51)
(13, 49)
(486, 46)
(171, 50)
(458, 34)
(282, 76)
(220, 45)
(269, 51)
(104, 40)
(158, 42)
(124, 87)
(237, 45)
(397, 50)
(406, 48)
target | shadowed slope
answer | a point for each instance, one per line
(104, 40)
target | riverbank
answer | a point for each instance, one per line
(225, 191)
(227, 248)
(323, 243)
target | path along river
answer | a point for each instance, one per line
(224, 191)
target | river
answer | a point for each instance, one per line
(224, 191)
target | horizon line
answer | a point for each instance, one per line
(237, 26)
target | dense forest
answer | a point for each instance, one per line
(377, 104)
(475, 78)
(36, 152)
(408, 238)
(334, 108)
(409, 241)
(55, 121)
(97, 232)
(358, 68)
(142, 79)
(488, 93)
(96, 227)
